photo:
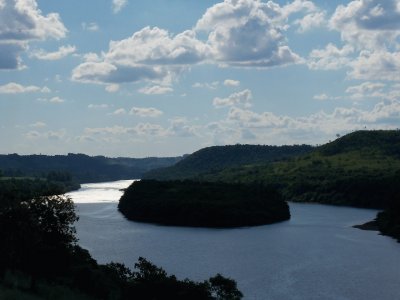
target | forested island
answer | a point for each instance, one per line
(40, 257)
(360, 169)
(203, 204)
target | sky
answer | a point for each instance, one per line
(168, 77)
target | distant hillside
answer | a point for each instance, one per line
(83, 168)
(359, 169)
(217, 158)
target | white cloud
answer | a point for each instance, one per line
(56, 100)
(21, 21)
(150, 54)
(53, 100)
(310, 21)
(118, 5)
(156, 90)
(92, 26)
(321, 97)
(231, 82)
(38, 124)
(98, 106)
(248, 33)
(330, 58)
(145, 112)
(49, 135)
(212, 86)
(112, 88)
(376, 65)
(242, 98)
(16, 88)
(180, 127)
(370, 32)
(119, 111)
(366, 90)
(62, 52)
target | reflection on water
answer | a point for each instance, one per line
(315, 255)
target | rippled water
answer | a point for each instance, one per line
(315, 255)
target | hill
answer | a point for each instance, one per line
(360, 169)
(217, 158)
(81, 167)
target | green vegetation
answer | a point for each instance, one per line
(40, 258)
(82, 168)
(205, 204)
(217, 158)
(360, 169)
(388, 221)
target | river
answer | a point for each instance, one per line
(315, 255)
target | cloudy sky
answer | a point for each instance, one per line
(168, 77)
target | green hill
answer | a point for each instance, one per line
(217, 158)
(360, 169)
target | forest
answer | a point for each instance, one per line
(360, 169)
(40, 257)
(81, 167)
(203, 204)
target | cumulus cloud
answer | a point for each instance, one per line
(21, 21)
(98, 106)
(16, 88)
(119, 111)
(310, 21)
(53, 100)
(376, 65)
(370, 32)
(181, 127)
(92, 26)
(366, 90)
(62, 52)
(212, 86)
(330, 58)
(321, 97)
(38, 124)
(145, 112)
(248, 33)
(150, 54)
(117, 5)
(231, 82)
(242, 98)
(156, 90)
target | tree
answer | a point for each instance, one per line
(37, 235)
(224, 288)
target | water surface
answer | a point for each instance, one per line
(316, 255)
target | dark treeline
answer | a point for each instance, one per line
(81, 167)
(205, 204)
(217, 158)
(40, 258)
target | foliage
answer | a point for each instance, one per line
(389, 220)
(40, 258)
(206, 204)
(214, 159)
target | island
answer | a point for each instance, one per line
(203, 204)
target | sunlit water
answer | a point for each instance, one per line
(315, 255)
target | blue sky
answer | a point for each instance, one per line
(164, 78)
